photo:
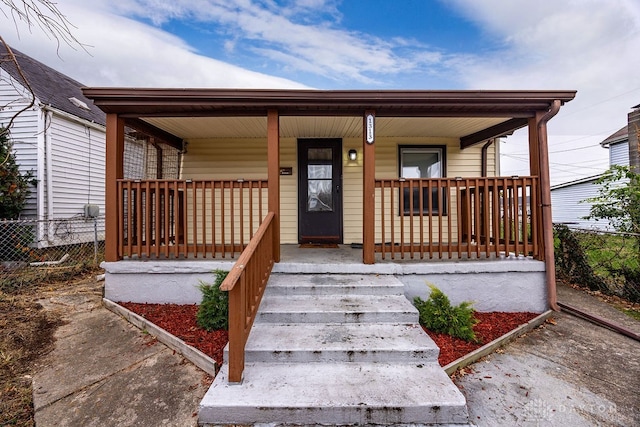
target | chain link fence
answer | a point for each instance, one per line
(34, 251)
(604, 261)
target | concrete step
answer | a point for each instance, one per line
(331, 284)
(337, 309)
(335, 394)
(350, 342)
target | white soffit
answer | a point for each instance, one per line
(320, 126)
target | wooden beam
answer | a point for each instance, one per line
(273, 176)
(501, 129)
(155, 132)
(534, 163)
(369, 188)
(114, 171)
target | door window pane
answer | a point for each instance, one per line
(319, 171)
(320, 154)
(319, 196)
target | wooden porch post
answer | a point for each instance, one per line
(114, 171)
(273, 176)
(534, 170)
(545, 190)
(369, 187)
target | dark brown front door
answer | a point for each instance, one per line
(320, 190)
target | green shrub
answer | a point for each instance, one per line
(213, 312)
(438, 315)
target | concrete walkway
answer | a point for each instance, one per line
(104, 372)
(571, 373)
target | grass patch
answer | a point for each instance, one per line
(631, 313)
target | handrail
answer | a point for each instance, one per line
(246, 283)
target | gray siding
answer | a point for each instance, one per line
(568, 206)
(619, 154)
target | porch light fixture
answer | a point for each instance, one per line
(353, 155)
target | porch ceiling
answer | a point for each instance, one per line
(205, 113)
(188, 128)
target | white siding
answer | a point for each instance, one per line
(78, 167)
(619, 154)
(568, 207)
(24, 132)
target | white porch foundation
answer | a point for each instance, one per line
(502, 284)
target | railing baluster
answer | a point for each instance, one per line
(382, 219)
(203, 220)
(250, 210)
(232, 218)
(223, 224)
(213, 219)
(241, 216)
(392, 187)
(129, 221)
(421, 217)
(121, 212)
(448, 202)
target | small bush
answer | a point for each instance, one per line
(213, 312)
(438, 315)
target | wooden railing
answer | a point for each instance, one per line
(457, 217)
(246, 283)
(171, 218)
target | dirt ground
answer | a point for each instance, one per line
(27, 334)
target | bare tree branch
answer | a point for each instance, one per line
(45, 15)
(25, 82)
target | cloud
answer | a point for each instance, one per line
(125, 52)
(304, 34)
(589, 46)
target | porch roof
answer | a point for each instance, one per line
(148, 102)
(471, 116)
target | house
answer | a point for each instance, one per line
(59, 135)
(351, 188)
(409, 179)
(569, 200)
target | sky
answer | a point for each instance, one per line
(592, 46)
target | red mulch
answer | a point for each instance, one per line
(491, 325)
(180, 321)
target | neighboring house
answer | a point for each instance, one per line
(61, 139)
(408, 179)
(569, 200)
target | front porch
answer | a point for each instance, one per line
(405, 175)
